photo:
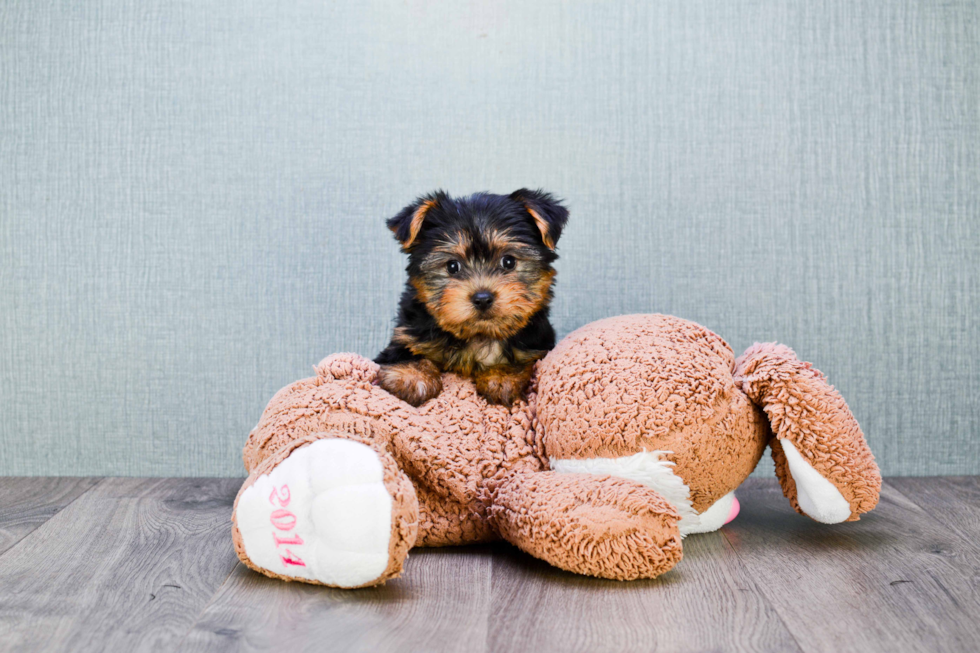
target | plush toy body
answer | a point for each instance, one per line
(636, 431)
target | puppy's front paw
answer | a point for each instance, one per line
(503, 385)
(414, 382)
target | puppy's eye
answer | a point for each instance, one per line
(452, 267)
(508, 262)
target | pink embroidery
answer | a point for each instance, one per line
(284, 520)
(283, 497)
(295, 539)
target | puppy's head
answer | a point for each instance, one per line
(481, 264)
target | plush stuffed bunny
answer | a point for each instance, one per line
(636, 432)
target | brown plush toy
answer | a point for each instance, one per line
(636, 431)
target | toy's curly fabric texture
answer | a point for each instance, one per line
(595, 525)
(456, 443)
(656, 408)
(809, 412)
(473, 441)
(651, 382)
(444, 522)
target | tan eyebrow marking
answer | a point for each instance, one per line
(457, 244)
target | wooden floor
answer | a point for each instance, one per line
(120, 564)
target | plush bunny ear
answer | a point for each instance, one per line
(407, 224)
(548, 213)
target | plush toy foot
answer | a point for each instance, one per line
(823, 463)
(333, 512)
(595, 525)
(717, 515)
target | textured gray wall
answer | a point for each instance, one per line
(192, 198)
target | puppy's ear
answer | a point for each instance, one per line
(408, 223)
(547, 212)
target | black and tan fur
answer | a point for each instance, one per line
(480, 279)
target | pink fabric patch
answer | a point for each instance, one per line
(733, 513)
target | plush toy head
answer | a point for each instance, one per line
(664, 401)
(653, 398)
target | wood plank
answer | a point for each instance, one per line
(708, 602)
(890, 582)
(127, 566)
(954, 501)
(439, 604)
(28, 502)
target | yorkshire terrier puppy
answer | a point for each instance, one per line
(476, 302)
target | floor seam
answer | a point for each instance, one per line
(759, 591)
(927, 511)
(61, 510)
(211, 600)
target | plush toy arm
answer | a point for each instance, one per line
(595, 525)
(434, 463)
(823, 463)
(455, 443)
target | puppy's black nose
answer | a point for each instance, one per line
(482, 299)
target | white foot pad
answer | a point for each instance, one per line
(322, 514)
(817, 496)
(717, 515)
